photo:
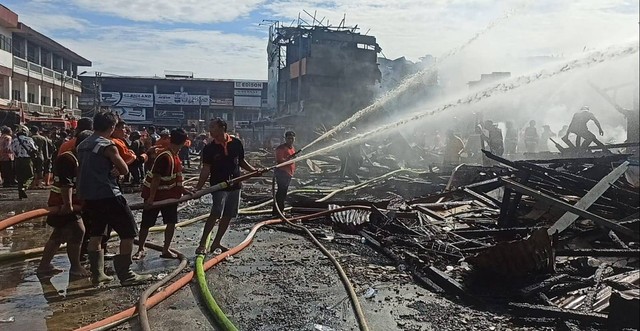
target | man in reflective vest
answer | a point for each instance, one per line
(163, 181)
(66, 225)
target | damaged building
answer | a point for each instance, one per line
(320, 74)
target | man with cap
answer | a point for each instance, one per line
(283, 175)
(24, 150)
(578, 126)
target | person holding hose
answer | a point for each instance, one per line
(104, 205)
(163, 181)
(283, 175)
(221, 161)
(67, 227)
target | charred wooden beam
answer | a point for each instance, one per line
(546, 311)
(475, 233)
(572, 211)
(600, 252)
(542, 286)
(449, 284)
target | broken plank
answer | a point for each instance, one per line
(449, 284)
(580, 212)
(546, 311)
(569, 217)
(487, 200)
(600, 252)
(542, 286)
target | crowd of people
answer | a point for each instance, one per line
(529, 139)
(89, 167)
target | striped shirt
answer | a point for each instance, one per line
(19, 150)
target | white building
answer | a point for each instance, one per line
(37, 74)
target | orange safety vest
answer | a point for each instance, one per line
(170, 186)
(125, 153)
(55, 195)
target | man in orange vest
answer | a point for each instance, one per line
(84, 123)
(163, 181)
(118, 137)
(66, 225)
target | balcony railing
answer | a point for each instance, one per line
(34, 70)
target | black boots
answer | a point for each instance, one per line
(96, 261)
(122, 264)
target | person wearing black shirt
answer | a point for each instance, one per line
(222, 159)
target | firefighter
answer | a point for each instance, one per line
(163, 181)
(67, 227)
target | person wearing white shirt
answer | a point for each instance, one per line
(23, 148)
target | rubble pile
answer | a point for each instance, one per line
(555, 242)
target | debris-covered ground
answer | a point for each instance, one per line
(547, 244)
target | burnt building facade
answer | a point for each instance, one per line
(320, 75)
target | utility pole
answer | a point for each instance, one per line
(97, 88)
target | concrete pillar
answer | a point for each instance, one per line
(38, 98)
(25, 90)
(10, 88)
(51, 96)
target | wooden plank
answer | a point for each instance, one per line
(485, 199)
(570, 210)
(594, 193)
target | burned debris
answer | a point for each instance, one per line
(554, 242)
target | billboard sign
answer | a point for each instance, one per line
(182, 99)
(131, 114)
(168, 114)
(255, 93)
(240, 101)
(126, 99)
(253, 85)
(222, 102)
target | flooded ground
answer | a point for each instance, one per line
(280, 282)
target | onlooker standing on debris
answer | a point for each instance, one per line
(511, 139)
(42, 155)
(7, 158)
(25, 150)
(104, 205)
(544, 138)
(531, 137)
(578, 126)
(184, 152)
(453, 148)
(162, 182)
(67, 227)
(221, 162)
(283, 175)
(493, 136)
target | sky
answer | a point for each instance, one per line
(228, 39)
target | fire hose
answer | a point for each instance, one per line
(362, 322)
(183, 281)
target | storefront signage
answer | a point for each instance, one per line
(131, 114)
(240, 101)
(168, 114)
(248, 85)
(126, 99)
(182, 99)
(222, 102)
(255, 93)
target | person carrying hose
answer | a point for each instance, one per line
(163, 181)
(67, 227)
(283, 175)
(221, 162)
(104, 205)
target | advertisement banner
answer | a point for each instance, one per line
(248, 85)
(131, 114)
(222, 102)
(168, 114)
(126, 99)
(255, 93)
(247, 102)
(182, 99)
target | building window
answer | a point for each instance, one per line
(44, 100)
(31, 97)
(5, 43)
(15, 95)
